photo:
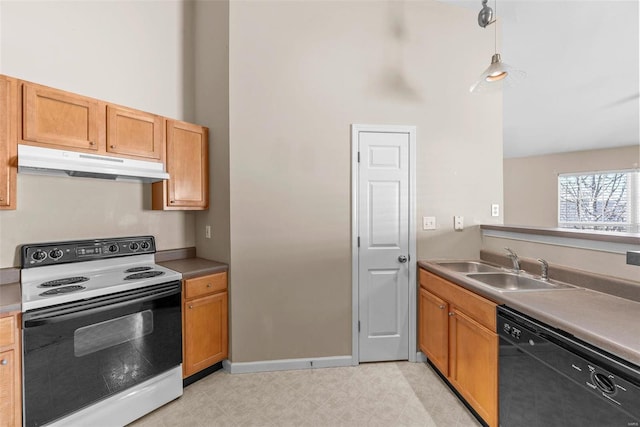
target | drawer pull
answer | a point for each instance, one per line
(441, 307)
(4, 362)
(451, 313)
(208, 285)
(190, 306)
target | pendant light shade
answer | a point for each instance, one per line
(498, 74)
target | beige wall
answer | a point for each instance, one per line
(59, 208)
(131, 53)
(600, 262)
(300, 74)
(531, 183)
(211, 76)
(531, 198)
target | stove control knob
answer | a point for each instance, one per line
(39, 255)
(55, 254)
(145, 245)
(112, 248)
(134, 246)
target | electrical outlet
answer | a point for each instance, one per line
(495, 209)
(458, 223)
(428, 222)
(207, 231)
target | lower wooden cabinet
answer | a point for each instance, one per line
(10, 371)
(434, 339)
(204, 322)
(457, 333)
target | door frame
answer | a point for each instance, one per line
(355, 130)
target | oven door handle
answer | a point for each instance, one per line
(100, 304)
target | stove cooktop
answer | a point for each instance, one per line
(81, 277)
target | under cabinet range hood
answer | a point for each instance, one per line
(47, 161)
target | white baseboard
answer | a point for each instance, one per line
(286, 364)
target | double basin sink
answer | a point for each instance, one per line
(501, 279)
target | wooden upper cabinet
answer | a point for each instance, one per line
(134, 133)
(187, 163)
(57, 119)
(8, 142)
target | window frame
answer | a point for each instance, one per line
(632, 225)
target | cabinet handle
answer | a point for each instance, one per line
(4, 362)
(441, 307)
(1, 199)
(92, 143)
(172, 201)
(112, 146)
(451, 313)
(208, 285)
(190, 306)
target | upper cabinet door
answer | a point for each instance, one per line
(8, 107)
(58, 118)
(134, 133)
(188, 165)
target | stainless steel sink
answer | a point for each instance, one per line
(469, 267)
(516, 282)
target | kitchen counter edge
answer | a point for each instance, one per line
(10, 298)
(195, 267)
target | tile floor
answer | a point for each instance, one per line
(372, 394)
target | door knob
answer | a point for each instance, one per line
(402, 258)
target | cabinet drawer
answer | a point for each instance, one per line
(205, 285)
(7, 331)
(480, 309)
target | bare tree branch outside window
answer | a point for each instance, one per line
(598, 201)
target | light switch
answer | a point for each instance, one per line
(428, 222)
(495, 209)
(458, 223)
(207, 231)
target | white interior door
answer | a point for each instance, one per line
(383, 253)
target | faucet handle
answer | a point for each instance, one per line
(545, 269)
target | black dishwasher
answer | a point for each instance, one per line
(549, 378)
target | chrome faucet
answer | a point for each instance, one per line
(514, 260)
(544, 275)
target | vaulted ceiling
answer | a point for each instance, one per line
(582, 60)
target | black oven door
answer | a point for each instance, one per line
(78, 353)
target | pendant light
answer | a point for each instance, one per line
(498, 74)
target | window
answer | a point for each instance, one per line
(606, 201)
